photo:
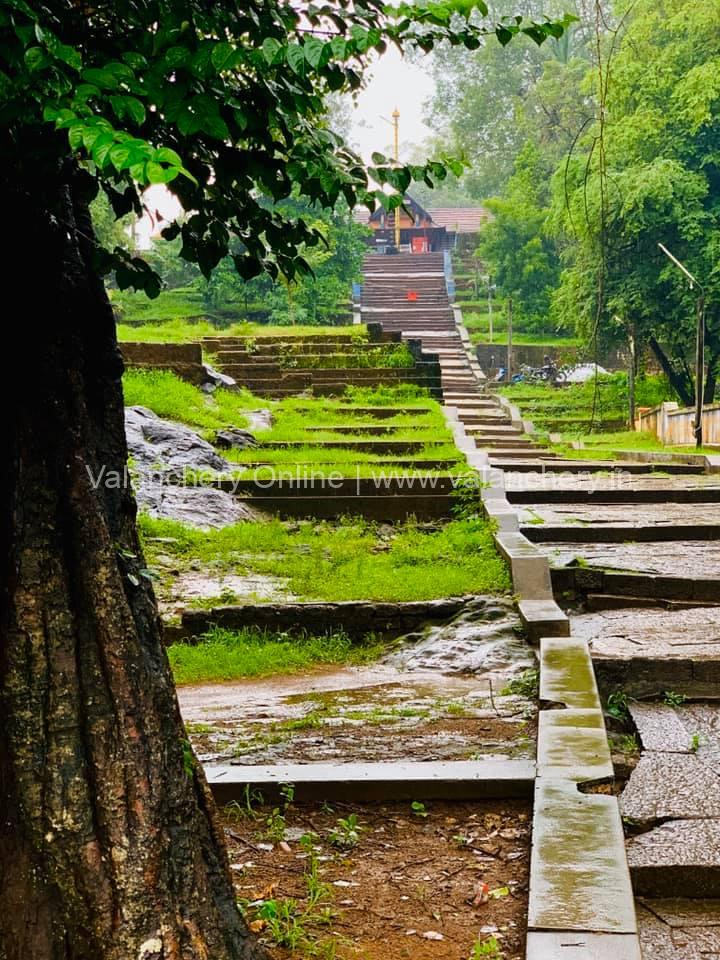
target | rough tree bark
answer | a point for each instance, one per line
(108, 840)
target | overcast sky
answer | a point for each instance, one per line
(394, 83)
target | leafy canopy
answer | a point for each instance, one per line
(224, 102)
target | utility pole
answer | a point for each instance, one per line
(509, 339)
(396, 137)
(490, 313)
(699, 369)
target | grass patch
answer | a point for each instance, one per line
(177, 328)
(347, 560)
(233, 655)
(173, 399)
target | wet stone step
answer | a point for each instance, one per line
(595, 516)
(648, 651)
(680, 856)
(673, 786)
(485, 779)
(579, 876)
(677, 559)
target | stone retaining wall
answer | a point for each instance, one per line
(182, 359)
(357, 618)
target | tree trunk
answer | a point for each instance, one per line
(108, 841)
(682, 383)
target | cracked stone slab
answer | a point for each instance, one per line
(690, 559)
(660, 728)
(670, 786)
(678, 855)
(661, 941)
(648, 651)
(579, 878)
(621, 514)
(678, 912)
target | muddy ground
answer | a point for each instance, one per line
(392, 884)
(372, 713)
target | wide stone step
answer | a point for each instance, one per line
(646, 651)
(680, 856)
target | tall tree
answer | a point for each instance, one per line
(650, 174)
(488, 105)
(108, 841)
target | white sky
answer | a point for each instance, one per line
(394, 82)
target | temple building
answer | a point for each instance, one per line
(421, 230)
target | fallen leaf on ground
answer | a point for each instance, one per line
(432, 935)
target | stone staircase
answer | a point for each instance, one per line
(407, 294)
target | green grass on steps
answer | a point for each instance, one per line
(346, 560)
(173, 399)
(224, 655)
(184, 330)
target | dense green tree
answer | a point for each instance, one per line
(515, 246)
(488, 104)
(109, 845)
(651, 174)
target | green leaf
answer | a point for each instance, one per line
(128, 108)
(103, 78)
(166, 155)
(155, 173)
(296, 58)
(176, 57)
(272, 50)
(315, 52)
(224, 56)
(121, 156)
(35, 59)
(101, 148)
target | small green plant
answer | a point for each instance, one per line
(275, 825)
(624, 743)
(696, 741)
(673, 699)
(486, 950)
(188, 758)
(461, 840)
(346, 833)
(617, 706)
(418, 808)
(526, 685)
(240, 811)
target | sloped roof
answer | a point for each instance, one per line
(460, 219)
(456, 219)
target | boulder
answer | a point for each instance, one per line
(235, 437)
(163, 454)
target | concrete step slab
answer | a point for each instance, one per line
(572, 745)
(579, 878)
(648, 651)
(583, 946)
(679, 929)
(566, 673)
(484, 779)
